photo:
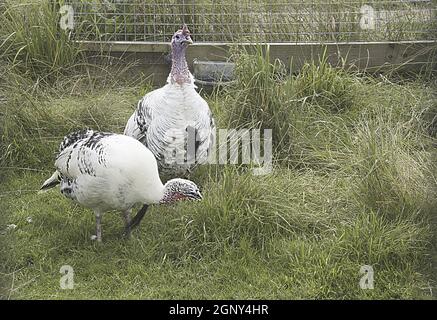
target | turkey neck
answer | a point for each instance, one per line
(179, 67)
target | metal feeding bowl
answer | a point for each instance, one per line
(213, 73)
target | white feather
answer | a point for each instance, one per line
(161, 120)
(126, 174)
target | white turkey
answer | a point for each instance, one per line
(106, 171)
(174, 121)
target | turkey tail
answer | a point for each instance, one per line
(130, 126)
(52, 181)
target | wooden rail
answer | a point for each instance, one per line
(152, 58)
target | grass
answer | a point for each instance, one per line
(30, 40)
(354, 183)
(308, 247)
(362, 191)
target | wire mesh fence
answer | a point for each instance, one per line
(256, 20)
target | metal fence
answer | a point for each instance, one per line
(291, 21)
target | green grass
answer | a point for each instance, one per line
(354, 183)
(275, 244)
(360, 188)
(31, 40)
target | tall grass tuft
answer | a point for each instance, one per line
(330, 88)
(266, 96)
(395, 172)
(33, 121)
(32, 40)
(257, 100)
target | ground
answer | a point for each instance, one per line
(302, 232)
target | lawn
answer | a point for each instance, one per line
(354, 184)
(358, 190)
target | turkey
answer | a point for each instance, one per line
(107, 171)
(174, 121)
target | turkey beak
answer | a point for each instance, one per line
(188, 40)
(198, 196)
